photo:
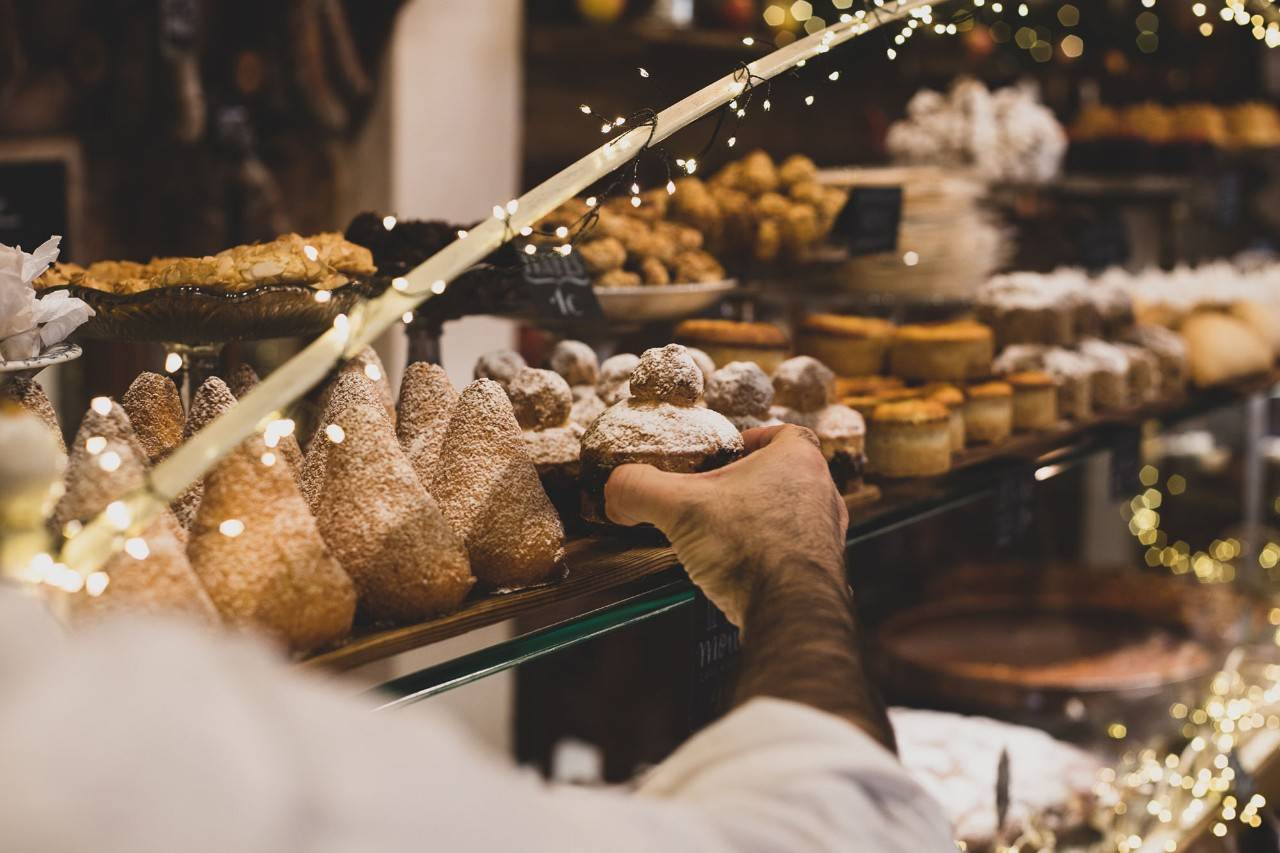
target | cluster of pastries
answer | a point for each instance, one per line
(394, 512)
(1002, 135)
(1252, 124)
(322, 261)
(752, 208)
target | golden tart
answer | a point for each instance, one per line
(728, 340)
(851, 346)
(1035, 400)
(911, 438)
(946, 352)
(988, 412)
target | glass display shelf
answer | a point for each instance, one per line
(613, 581)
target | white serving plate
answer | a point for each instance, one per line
(652, 303)
(26, 368)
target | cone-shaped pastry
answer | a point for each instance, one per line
(241, 382)
(242, 379)
(346, 390)
(106, 463)
(367, 364)
(427, 398)
(211, 400)
(260, 555)
(155, 410)
(152, 577)
(28, 394)
(383, 526)
(488, 489)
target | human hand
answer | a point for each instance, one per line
(776, 510)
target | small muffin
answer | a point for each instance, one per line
(854, 386)
(543, 404)
(909, 439)
(578, 364)
(1030, 308)
(1072, 375)
(851, 346)
(1035, 400)
(803, 392)
(865, 404)
(615, 374)
(726, 340)
(658, 424)
(743, 393)
(1109, 377)
(988, 413)
(499, 365)
(947, 352)
(704, 362)
(953, 398)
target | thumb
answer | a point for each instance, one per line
(639, 494)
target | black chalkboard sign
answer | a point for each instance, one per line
(869, 222)
(34, 203)
(560, 287)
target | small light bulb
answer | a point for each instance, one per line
(311, 252)
(586, 110)
(606, 127)
(231, 528)
(635, 188)
(643, 72)
(118, 514)
(407, 318)
(671, 187)
(95, 444)
(910, 259)
(733, 105)
(372, 371)
(833, 76)
(766, 106)
(268, 458)
(592, 201)
(530, 249)
(101, 405)
(562, 232)
(748, 41)
(498, 212)
(619, 121)
(891, 53)
(635, 201)
(733, 140)
(462, 233)
(565, 249)
(109, 461)
(137, 548)
(808, 100)
(96, 583)
(741, 113)
(172, 363)
(691, 165)
(437, 287)
(323, 296)
(513, 206)
(388, 222)
(335, 433)
(526, 231)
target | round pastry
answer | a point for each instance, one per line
(948, 352)
(851, 346)
(1109, 373)
(658, 425)
(803, 390)
(1030, 308)
(743, 393)
(988, 413)
(615, 376)
(576, 362)
(704, 362)
(543, 403)
(499, 365)
(1035, 400)
(953, 398)
(865, 403)
(726, 340)
(909, 439)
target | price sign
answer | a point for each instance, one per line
(870, 219)
(560, 287)
(715, 652)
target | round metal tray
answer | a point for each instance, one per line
(653, 303)
(198, 316)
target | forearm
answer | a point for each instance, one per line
(800, 642)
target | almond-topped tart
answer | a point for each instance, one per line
(945, 352)
(1035, 400)
(851, 346)
(727, 340)
(911, 438)
(659, 424)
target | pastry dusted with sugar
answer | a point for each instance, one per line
(804, 394)
(260, 555)
(614, 384)
(280, 443)
(427, 398)
(29, 394)
(155, 410)
(212, 398)
(499, 365)
(367, 364)
(578, 364)
(153, 576)
(659, 424)
(488, 489)
(543, 406)
(345, 391)
(743, 393)
(384, 528)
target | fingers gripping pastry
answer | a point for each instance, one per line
(743, 393)
(427, 398)
(29, 394)
(615, 377)
(488, 488)
(803, 391)
(256, 548)
(499, 365)
(384, 528)
(155, 410)
(911, 438)
(659, 424)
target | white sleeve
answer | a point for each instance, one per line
(154, 738)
